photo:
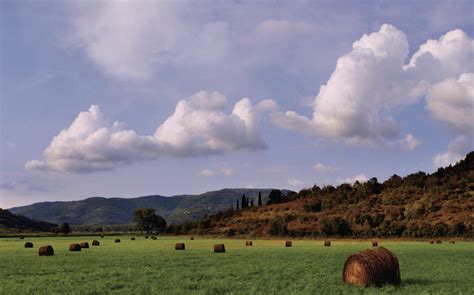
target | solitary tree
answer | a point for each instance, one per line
(147, 219)
(64, 228)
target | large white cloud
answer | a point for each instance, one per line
(198, 126)
(457, 150)
(372, 83)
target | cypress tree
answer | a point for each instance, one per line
(238, 205)
(259, 199)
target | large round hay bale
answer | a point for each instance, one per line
(74, 247)
(327, 243)
(28, 245)
(375, 243)
(438, 241)
(288, 244)
(179, 246)
(248, 243)
(219, 248)
(132, 238)
(95, 243)
(375, 267)
(117, 240)
(84, 245)
(46, 251)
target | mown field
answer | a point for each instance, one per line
(153, 266)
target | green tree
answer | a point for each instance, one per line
(259, 199)
(65, 228)
(147, 219)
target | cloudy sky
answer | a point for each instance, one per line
(130, 98)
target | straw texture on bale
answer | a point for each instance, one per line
(288, 244)
(375, 267)
(28, 245)
(438, 241)
(219, 248)
(84, 245)
(46, 251)
(74, 247)
(95, 243)
(248, 243)
(327, 243)
(117, 240)
(375, 243)
(179, 246)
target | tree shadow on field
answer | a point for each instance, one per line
(422, 282)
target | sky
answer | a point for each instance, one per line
(132, 98)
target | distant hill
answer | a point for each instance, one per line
(417, 205)
(9, 220)
(104, 211)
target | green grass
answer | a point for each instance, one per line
(147, 266)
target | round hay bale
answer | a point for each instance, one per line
(146, 237)
(327, 243)
(248, 243)
(153, 238)
(179, 246)
(219, 248)
(132, 238)
(439, 241)
(375, 267)
(46, 251)
(375, 243)
(432, 242)
(288, 244)
(21, 237)
(192, 238)
(95, 243)
(84, 245)
(101, 236)
(74, 247)
(117, 240)
(452, 242)
(28, 245)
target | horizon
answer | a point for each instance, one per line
(110, 98)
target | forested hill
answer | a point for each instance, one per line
(417, 205)
(9, 220)
(104, 211)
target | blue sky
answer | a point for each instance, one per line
(122, 99)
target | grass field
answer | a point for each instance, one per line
(148, 266)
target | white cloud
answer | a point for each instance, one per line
(371, 84)
(452, 102)
(226, 171)
(323, 168)
(359, 177)
(295, 182)
(198, 126)
(457, 150)
(207, 173)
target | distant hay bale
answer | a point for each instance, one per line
(192, 238)
(84, 245)
(452, 242)
(432, 242)
(288, 244)
(132, 238)
(179, 246)
(153, 238)
(248, 243)
(375, 267)
(21, 237)
(219, 248)
(146, 237)
(327, 243)
(375, 243)
(74, 247)
(102, 236)
(46, 251)
(117, 240)
(95, 243)
(28, 245)
(439, 241)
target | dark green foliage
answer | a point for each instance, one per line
(335, 226)
(259, 202)
(278, 227)
(65, 228)
(19, 222)
(147, 219)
